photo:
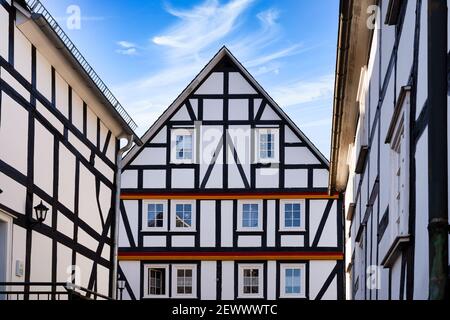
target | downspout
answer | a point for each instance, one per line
(437, 149)
(119, 164)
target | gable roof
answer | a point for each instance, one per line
(193, 86)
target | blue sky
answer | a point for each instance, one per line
(148, 51)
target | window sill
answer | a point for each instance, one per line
(154, 230)
(156, 297)
(299, 296)
(292, 230)
(241, 296)
(181, 162)
(256, 230)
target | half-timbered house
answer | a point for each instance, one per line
(227, 199)
(59, 144)
(389, 147)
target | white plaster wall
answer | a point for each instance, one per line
(181, 115)
(207, 219)
(228, 280)
(316, 210)
(85, 266)
(421, 268)
(154, 179)
(43, 76)
(22, 54)
(18, 251)
(212, 85)
(272, 280)
(4, 28)
(43, 158)
(64, 263)
(155, 241)
(131, 270)
(267, 178)
(208, 281)
(50, 117)
(66, 185)
(296, 178)
(129, 179)
(270, 114)
(271, 217)
(249, 241)
(329, 236)
(290, 136)
(320, 178)
(161, 136)
(64, 225)
(62, 95)
(151, 156)
(422, 79)
(91, 126)
(238, 109)
(88, 210)
(318, 274)
(102, 280)
(226, 224)
(14, 134)
(238, 85)
(183, 241)
(79, 146)
(183, 178)
(77, 111)
(14, 194)
(213, 109)
(13, 83)
(41, 258)
(300, 155)
(132, 212)
(292, 241)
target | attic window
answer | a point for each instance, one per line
(393, 12)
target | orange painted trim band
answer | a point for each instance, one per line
(226, 196)
(230, 256)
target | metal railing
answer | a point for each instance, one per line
(36, 7)
(47, 291)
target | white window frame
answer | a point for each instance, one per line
(175, 268)
(302, 227)
(8, 220)
(241, 294)
(173, 148)
(276, 143)
(146, 281)
(173, 216)
(283, 268)
(145, 227)
(399, 201)
(240, 215)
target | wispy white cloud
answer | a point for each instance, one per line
(201, 26)
(126, 44)
(187, 45)
(302, 92)
(127, 48)
(269, 17)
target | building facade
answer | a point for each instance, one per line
(59, 137)
(380, 145)
(227, 199)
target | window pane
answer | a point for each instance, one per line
(156, 281)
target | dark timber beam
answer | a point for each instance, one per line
(437, 149)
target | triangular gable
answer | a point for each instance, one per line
(203, 83)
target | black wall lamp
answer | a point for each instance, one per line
(41, 213)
